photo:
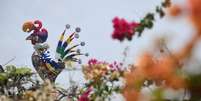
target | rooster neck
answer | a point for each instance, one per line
(40, 48)
(35, 53)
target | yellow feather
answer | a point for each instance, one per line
(50, 68)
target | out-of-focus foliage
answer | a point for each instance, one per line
(21, 84)
(166, 70)
(13, 80)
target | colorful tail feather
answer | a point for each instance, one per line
(68, 54)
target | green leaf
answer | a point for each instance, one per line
(149, 16)
(23, 71)
(158, 95)
(3, 78)
(10, 68)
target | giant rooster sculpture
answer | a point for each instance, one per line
(47, 67)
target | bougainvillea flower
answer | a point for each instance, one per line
(123, 29)
(175, 10)
(97, 69)
(85, 95)
(195, 13)
(92, 61)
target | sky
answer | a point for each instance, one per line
(93, 17)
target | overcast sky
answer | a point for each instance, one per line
(93, 16)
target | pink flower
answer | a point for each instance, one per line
(123, 29)
(85, 95)
(92, 61)
(116, 66)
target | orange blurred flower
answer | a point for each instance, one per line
(163, 71)
(160, 71)
(131, 95)
(176, 82)
(195, 13)
(175, 10)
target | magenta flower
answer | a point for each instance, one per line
(85, 95)
(92, 61)
(123, 29)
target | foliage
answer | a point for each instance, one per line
(13, 80)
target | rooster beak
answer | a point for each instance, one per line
(29, 37)
(28, 27)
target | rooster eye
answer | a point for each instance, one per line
(27, 30)
(35, 38)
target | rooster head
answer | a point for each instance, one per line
(38, 34)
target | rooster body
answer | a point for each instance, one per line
(44, 64)
(45, 69)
